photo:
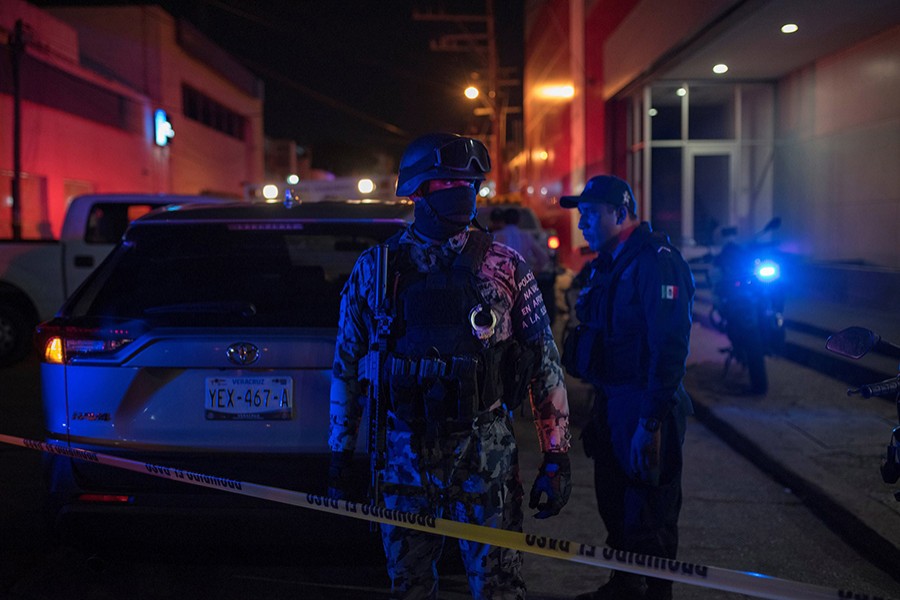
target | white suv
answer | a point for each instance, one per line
(204, 342)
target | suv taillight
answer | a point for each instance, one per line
(58, 343)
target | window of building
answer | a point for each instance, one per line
(711, 112)
(665, 112)
(706, 151)
(49, 86)
(665, 189)
(201, 108)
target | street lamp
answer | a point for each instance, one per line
(495, 103)
(496, 109)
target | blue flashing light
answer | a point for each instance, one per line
(162, 128)
(767, 270)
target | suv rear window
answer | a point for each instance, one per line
(229, 274)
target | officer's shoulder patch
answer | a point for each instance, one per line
(669, 292)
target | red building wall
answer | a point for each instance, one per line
(550, 58)
(90, 129)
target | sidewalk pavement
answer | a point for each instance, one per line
(812, 438)
(806, 432)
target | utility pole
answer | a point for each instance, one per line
(498, 141)
(17, 45)
(484, 44)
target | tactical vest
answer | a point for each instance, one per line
(432, 309)
(438, 371)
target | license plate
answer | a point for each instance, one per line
(249, 398)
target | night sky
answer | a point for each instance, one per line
(351, 78)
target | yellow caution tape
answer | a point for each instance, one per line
(742, 582)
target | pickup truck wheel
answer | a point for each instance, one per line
(15, 335)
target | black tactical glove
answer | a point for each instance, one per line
(339, 474)
(554, 479)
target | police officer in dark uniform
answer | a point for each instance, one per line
(468, 341)
(631, 343)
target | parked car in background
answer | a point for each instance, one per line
(528, 221)
(489, 215)
(205, 343)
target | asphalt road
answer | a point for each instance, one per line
(734, 517)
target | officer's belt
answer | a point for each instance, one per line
(454, 367)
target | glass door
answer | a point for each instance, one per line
(707, 192)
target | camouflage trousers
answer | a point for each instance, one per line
(471, 476)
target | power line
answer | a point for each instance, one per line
(323, 99)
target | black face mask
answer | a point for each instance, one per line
(444, 213)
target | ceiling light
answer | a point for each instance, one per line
(720, 68)
(789, 28)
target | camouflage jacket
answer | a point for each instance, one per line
(505, 281)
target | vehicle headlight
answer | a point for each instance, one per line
(766, 270)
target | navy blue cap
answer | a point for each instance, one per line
(605, 189)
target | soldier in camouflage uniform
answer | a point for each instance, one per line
(469, 339)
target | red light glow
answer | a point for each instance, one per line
(105, 499)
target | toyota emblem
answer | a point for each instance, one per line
(242, 353)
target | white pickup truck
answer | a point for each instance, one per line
(36, 276)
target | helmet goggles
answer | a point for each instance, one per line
(461, 154)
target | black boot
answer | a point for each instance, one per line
(658, 589)
(621, 586)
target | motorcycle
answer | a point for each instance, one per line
(748, 303)
(855, 342)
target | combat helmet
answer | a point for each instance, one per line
(441, 156)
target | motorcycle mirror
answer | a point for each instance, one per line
(853, 342)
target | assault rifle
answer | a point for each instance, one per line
(377, 353)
